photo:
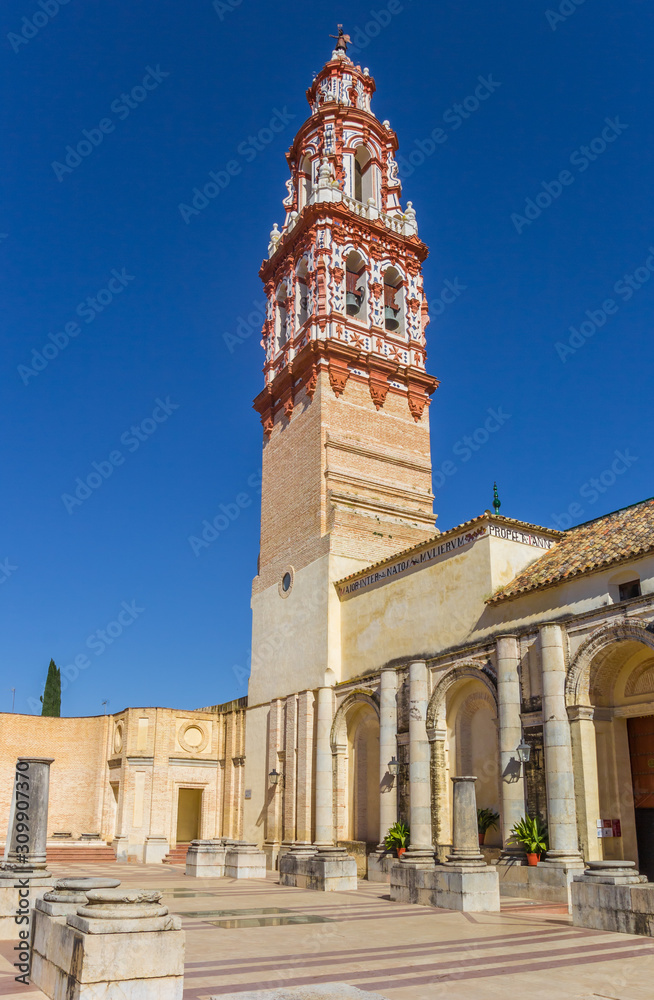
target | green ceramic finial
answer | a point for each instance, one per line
(496, 500)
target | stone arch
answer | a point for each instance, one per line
(467, 670)
(355, 747)
(584, 664)
(362, 696)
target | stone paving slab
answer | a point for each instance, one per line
(384, 949)
(328, 991)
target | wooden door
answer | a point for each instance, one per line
(641, 752)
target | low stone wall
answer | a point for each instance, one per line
(545, 883)
(472, 891)
(612, 896)
(327, 871)
(358, 850)
(379, 866)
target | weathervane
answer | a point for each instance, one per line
(496, 500)
(342, 40)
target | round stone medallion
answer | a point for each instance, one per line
(193, 737)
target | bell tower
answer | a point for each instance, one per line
(346, 458)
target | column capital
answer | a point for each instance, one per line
(434, 734)
(577, 713)
(544, 626)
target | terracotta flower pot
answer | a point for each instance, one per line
(533, 859)
(400, 851)
(481, 839)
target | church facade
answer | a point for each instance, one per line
(376, 638)
(387, 656)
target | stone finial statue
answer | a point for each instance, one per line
(341, 40)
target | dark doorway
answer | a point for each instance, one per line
(641, 752)
(189, 809)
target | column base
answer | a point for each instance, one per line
(39, 882)
(328, 869)
(563, 859)
(613, 899)
(303, 849)
(205, 859)
(419, 857)
(155, 850)
(244, 860)
(466, 859)
(120, 845)
(469, 888)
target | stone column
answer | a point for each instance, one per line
(440, 803)
(510, 735)
(29, 811)
(387, 750)
(584, 755)
(465, 839)
(562, 816)
(303, 831)
(273, 792)
(420, 849)
(25, 849)
(290, 736)
(324, 790)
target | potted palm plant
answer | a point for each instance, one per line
(486, 820)
(397, 838)
(531, 833)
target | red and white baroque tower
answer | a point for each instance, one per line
(346, 458)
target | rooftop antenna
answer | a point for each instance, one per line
(496, 500)
(105, 703)
(13, 697)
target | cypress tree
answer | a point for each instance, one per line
(51, 699)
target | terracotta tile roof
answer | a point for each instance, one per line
(586, 548)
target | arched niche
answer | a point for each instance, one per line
(363, 179)
(355, 745)
(301, 293)
(462, 729)
(305, 182)
(394, 307)
(356, 286)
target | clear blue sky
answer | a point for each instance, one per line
(212, 79)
